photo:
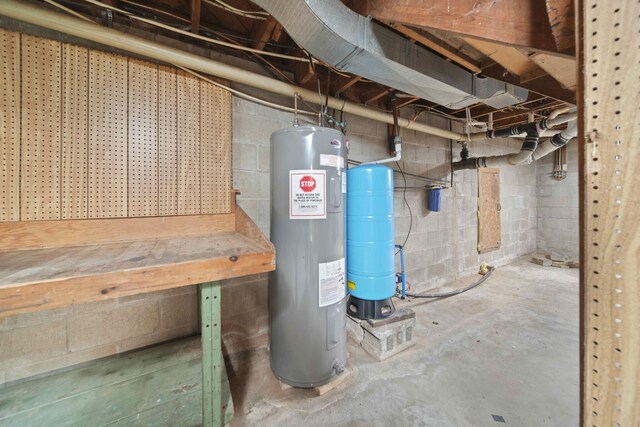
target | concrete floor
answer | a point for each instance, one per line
(507, 348)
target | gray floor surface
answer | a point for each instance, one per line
(508, 348)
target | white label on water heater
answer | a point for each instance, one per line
(331, 282)
(332, 161)
(307, 194)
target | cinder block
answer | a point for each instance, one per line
(178, 310)
(34, 343)
(248, 182)
(389, 339)
(354, 329)
(264, 158)
(245, 156)
(103, 327)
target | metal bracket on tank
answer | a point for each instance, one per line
(369, 309)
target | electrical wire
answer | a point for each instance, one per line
(244, 13)
(457, 291)
(404, 196)
(194, 35)
(66, 9)
(246, 96)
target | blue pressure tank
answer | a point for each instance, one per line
(370, 242)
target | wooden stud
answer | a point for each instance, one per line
(347, 84)
(561, 69)
(609, 132)
(212, 362)
(262, 31)
(196, 6)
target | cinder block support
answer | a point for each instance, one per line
(384, 338)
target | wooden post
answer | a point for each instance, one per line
(212, 362)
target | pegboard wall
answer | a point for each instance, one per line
(90, 134)
(609, 90)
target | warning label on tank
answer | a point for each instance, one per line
(307, 194)
(331, 287)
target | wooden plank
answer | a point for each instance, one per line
(188, 144)
(48, 234)
(159, 385)
(562, 22)
(609, 131)
(215, 152)
(10, 105)
(75, 121)
(167, 141)
(489, 229)
(143, 139)
(561, 69)
(41, 106)
(261, 32)
(520, 23)
(108, 149)
(26, 298)
(45, 265)
(196, 7)
(509, 57)
(212, 363)
(437, 47)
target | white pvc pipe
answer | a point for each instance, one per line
(150, 49)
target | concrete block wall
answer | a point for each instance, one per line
(558, 206)
(441, 248)
(35, 343)
(442, 245)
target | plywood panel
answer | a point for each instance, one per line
(10, 126)
(107, 135)
(609, 90)
(167, 141)
(188, 144)
(74, 156)
(489, 229)
(89, 134)
(40, 128)
(143, 138)
(215, 160)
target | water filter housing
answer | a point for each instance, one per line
(370, 242)
(307, 291)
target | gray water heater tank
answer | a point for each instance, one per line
(307, 291)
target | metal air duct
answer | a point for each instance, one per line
(335, 34)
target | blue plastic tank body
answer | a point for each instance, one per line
(370, 232)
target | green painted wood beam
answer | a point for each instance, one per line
(212, 362)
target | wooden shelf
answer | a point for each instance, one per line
(158, 385)
(48, 264)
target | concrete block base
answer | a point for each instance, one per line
(384, 338)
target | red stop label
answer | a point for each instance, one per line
(307, 183)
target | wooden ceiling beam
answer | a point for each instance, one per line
(545, 85)
(346, 83)
(407, 101)
(521, 23)
(437, 47)
(509, 57)
(561, 15)
(376, 96)
(196, 7)
(261, 32)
